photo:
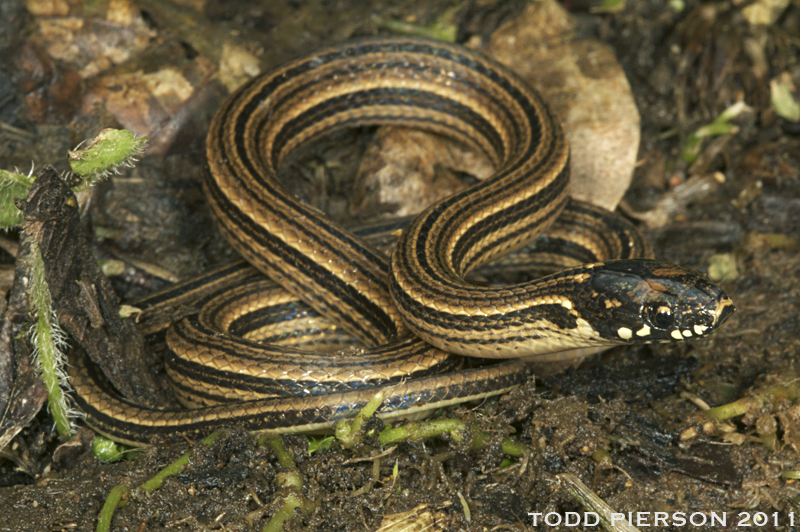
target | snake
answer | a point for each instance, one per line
(404, 324)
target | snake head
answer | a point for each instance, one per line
(650, 301)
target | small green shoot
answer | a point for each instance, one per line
(119, 493)
(319, 443)
(720, 126)
(443, 29)
(609, 6)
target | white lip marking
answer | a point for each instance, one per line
(677, 335)
(644, 331)
(700, 329)
(687, 333)
(624, 333)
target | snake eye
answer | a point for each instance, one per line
(660, 316)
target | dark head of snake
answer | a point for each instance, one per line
(650, 301)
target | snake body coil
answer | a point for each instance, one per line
(353, 287)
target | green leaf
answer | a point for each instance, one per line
(12, 185)
(109, 150)
(783, 103)
(107, 450)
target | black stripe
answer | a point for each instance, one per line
(195, 283)
(309, 219)
(191, 332)
(287, 387)
(381, 322)
(553, 189)
(399, 96)
(379, 98)
(495, 222)
(562, 247)
(271, 315)
(485, 227)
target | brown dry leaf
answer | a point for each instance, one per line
(47, 8)
(404, 170)
(90, 45)
(237, 66)
(583, 82)
(764, 12)
(129, 99)
(419, 519)
(142, 102)
(52, 95)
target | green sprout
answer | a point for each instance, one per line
(720, 126)
(444, 28)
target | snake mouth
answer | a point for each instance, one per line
(724, 310)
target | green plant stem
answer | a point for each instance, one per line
(513, 448)
(47, 339)
(174, 468)
(275, 443)
(423, 430)
(286, 512)
(349, 432)
(112, 501)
